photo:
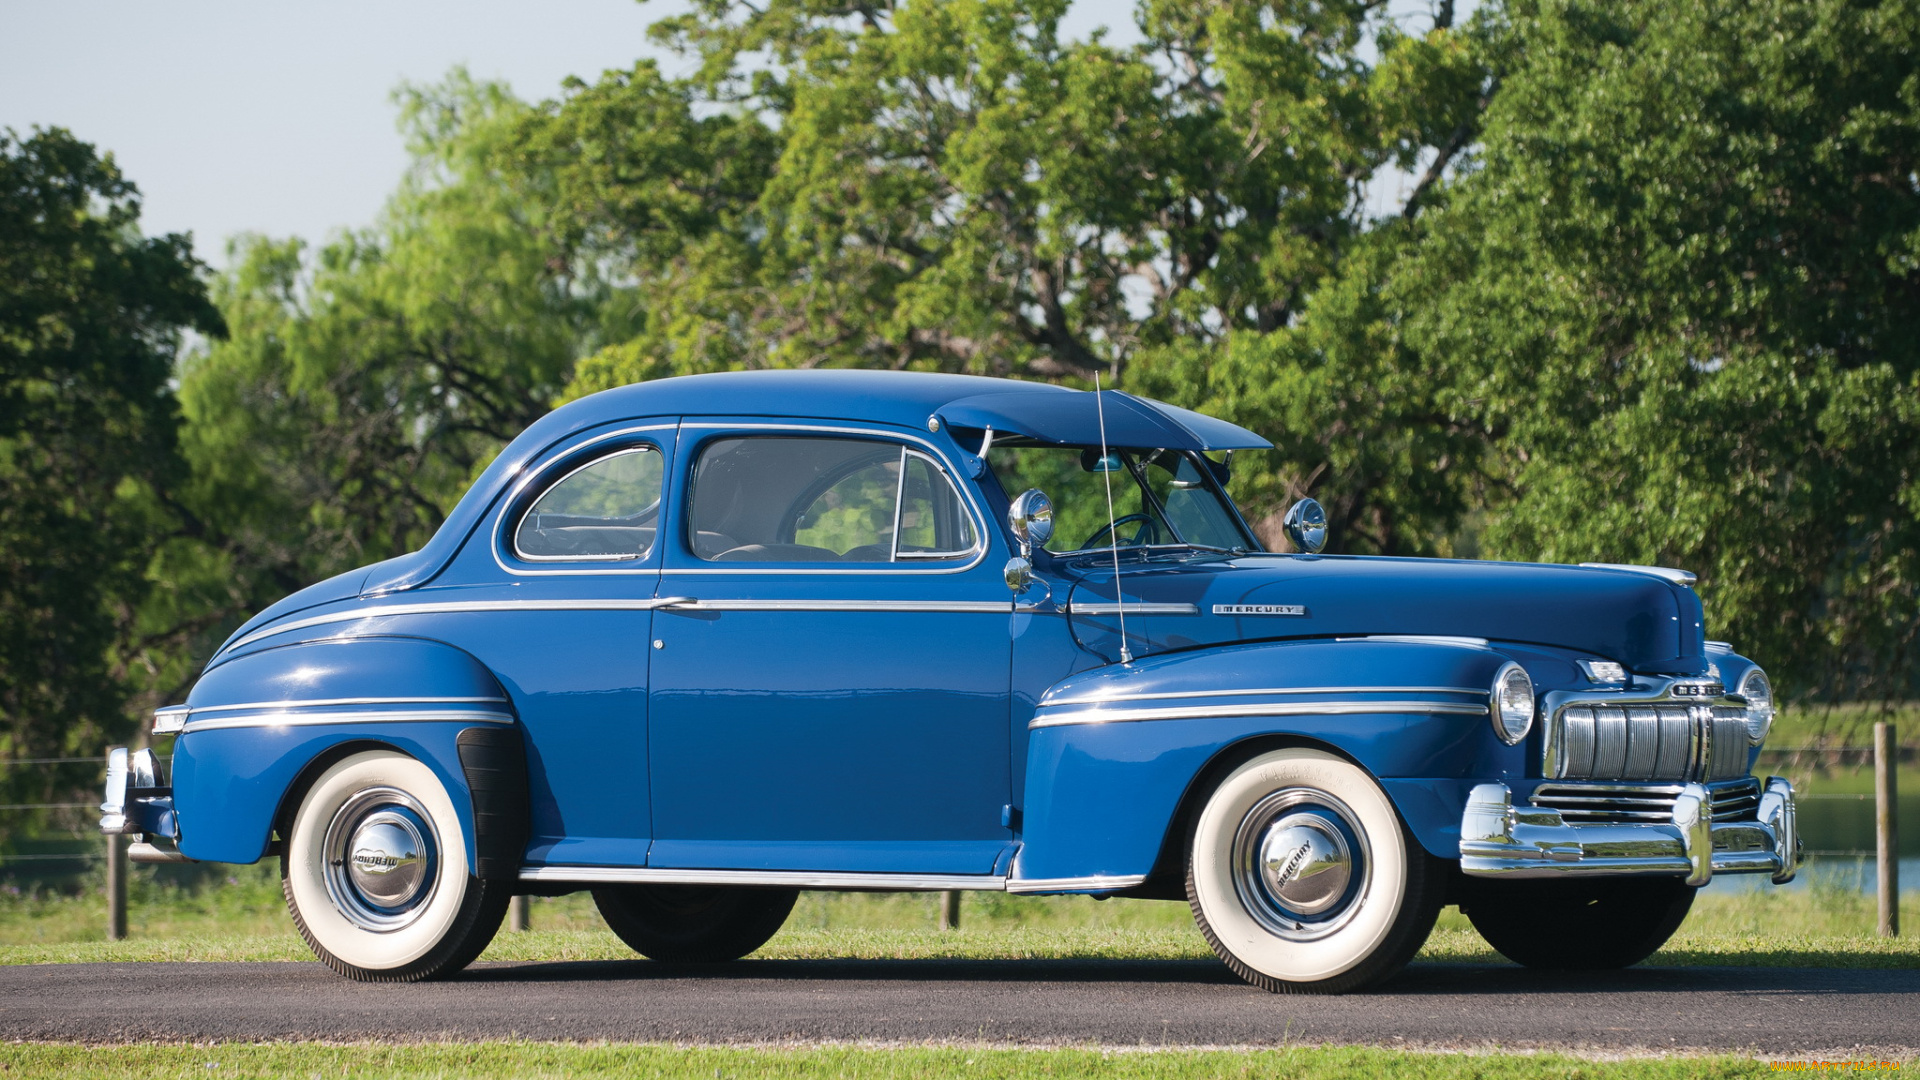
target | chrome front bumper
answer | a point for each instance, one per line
(1501, 840)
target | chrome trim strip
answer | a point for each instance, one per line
(797, 879)
(452, 607)
(1075, 607)
(1468, 691)
(1668, 574)
(983, 542)
(1095, 883)
(1305, 708)
(286, 719)
(1423, 639)
(146, 853)
(989, 607)
(312, 703)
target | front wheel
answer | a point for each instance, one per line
(1579, 925)
(376, 876)
(694, 924)
(1303, 879)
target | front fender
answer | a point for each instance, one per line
(259, 727)
(1114, 752)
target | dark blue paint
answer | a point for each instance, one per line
(891, 740)
(228, 782)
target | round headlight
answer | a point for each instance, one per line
(1759, 694)
(1512, 704)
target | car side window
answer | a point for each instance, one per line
(606, 509)
(791, 499)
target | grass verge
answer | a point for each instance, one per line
(244, 919)
(573, 1060)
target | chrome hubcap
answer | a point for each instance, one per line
(1301, 863)
(382, 859)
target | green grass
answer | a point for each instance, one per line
(243, 918)
(516, 1059)
(1843, 725)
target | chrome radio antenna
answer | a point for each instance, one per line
(1113, 533)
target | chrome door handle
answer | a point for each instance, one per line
(670, 602)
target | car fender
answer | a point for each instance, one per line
(1118, 755)
(263, 726)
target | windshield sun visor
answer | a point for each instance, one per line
(1072, 418)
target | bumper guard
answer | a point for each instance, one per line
(1499, 839)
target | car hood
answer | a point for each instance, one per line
(1638, 619)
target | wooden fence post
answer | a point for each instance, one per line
(519, 917)
(1886, 803)
(950, 910)
(116, 888)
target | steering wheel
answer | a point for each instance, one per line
(1147, 533)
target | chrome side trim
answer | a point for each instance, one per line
(1468, 691)
(794, 879)
(987, 607)
(1423, 639)
(1667, 574)
(320, 702)
(144, 852)
(1304, 708)
(1076, 607)
(1096, 883)
(396, 716)
(452, 607)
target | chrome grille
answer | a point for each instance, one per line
(1625, 804)
(1650, 741)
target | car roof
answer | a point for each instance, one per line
(1042, 411)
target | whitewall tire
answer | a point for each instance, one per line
(376, 875)
(1303, 879)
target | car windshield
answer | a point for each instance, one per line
(1160, 497)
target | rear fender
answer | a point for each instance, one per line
(1119, 755)
(262, 727)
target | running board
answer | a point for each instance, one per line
(822, 879)
(792, 879)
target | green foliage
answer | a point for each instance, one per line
(1680, 291)
(947, 184)
(91, 314)
(365, 385)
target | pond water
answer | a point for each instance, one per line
(1837, 831)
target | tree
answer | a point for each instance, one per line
(365, 385)
(1683, 288)
(91, 314)
(950, 185)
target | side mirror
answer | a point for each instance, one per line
(1031, 519)
(1306, 526)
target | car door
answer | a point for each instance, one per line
(556, 599)
(831, 693)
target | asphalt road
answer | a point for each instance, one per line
(1127, 1003)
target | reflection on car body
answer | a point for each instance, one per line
(701, 643)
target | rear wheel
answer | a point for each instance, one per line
(1579, 925)
(375, 873)
(694, 924)
(1303, 879)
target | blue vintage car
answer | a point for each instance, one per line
(701, 643)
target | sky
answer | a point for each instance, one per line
(238, 116)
